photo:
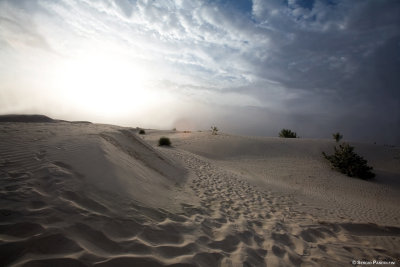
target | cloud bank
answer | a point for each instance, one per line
(251, 67)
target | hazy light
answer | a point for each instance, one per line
(103, 83)
(261, 66)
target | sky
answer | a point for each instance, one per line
(248, 67)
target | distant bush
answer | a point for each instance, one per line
(286, 133)
(141, 131)
(348, 162)
(214, 130)
(164, 141)
(337, 136)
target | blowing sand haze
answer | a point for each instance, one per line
(82, 194)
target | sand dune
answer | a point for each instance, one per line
(25, 118)
(296, 166)
(80, 194)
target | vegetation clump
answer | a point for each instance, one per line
(348, 162)
(141, 131)
(214, 130)
(286, 133)
(337, 136)
(164, 141)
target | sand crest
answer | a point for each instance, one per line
(80, 194)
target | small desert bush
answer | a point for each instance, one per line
(164, 141)
(286, 133)
(214, 130)
(141, 131)
(348, 162)
(337, 136)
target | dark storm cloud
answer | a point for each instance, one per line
(342, 59)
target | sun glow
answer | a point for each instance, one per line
(107, 85)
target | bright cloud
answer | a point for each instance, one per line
(123, 61)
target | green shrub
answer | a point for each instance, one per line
(348, 162)
(286, 133)
(141, 131)
(164, 141)
(214, 130)
(337, 136)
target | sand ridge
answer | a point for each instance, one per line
(100, 195)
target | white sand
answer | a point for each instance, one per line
(79, 194)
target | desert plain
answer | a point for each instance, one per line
(85, 194)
